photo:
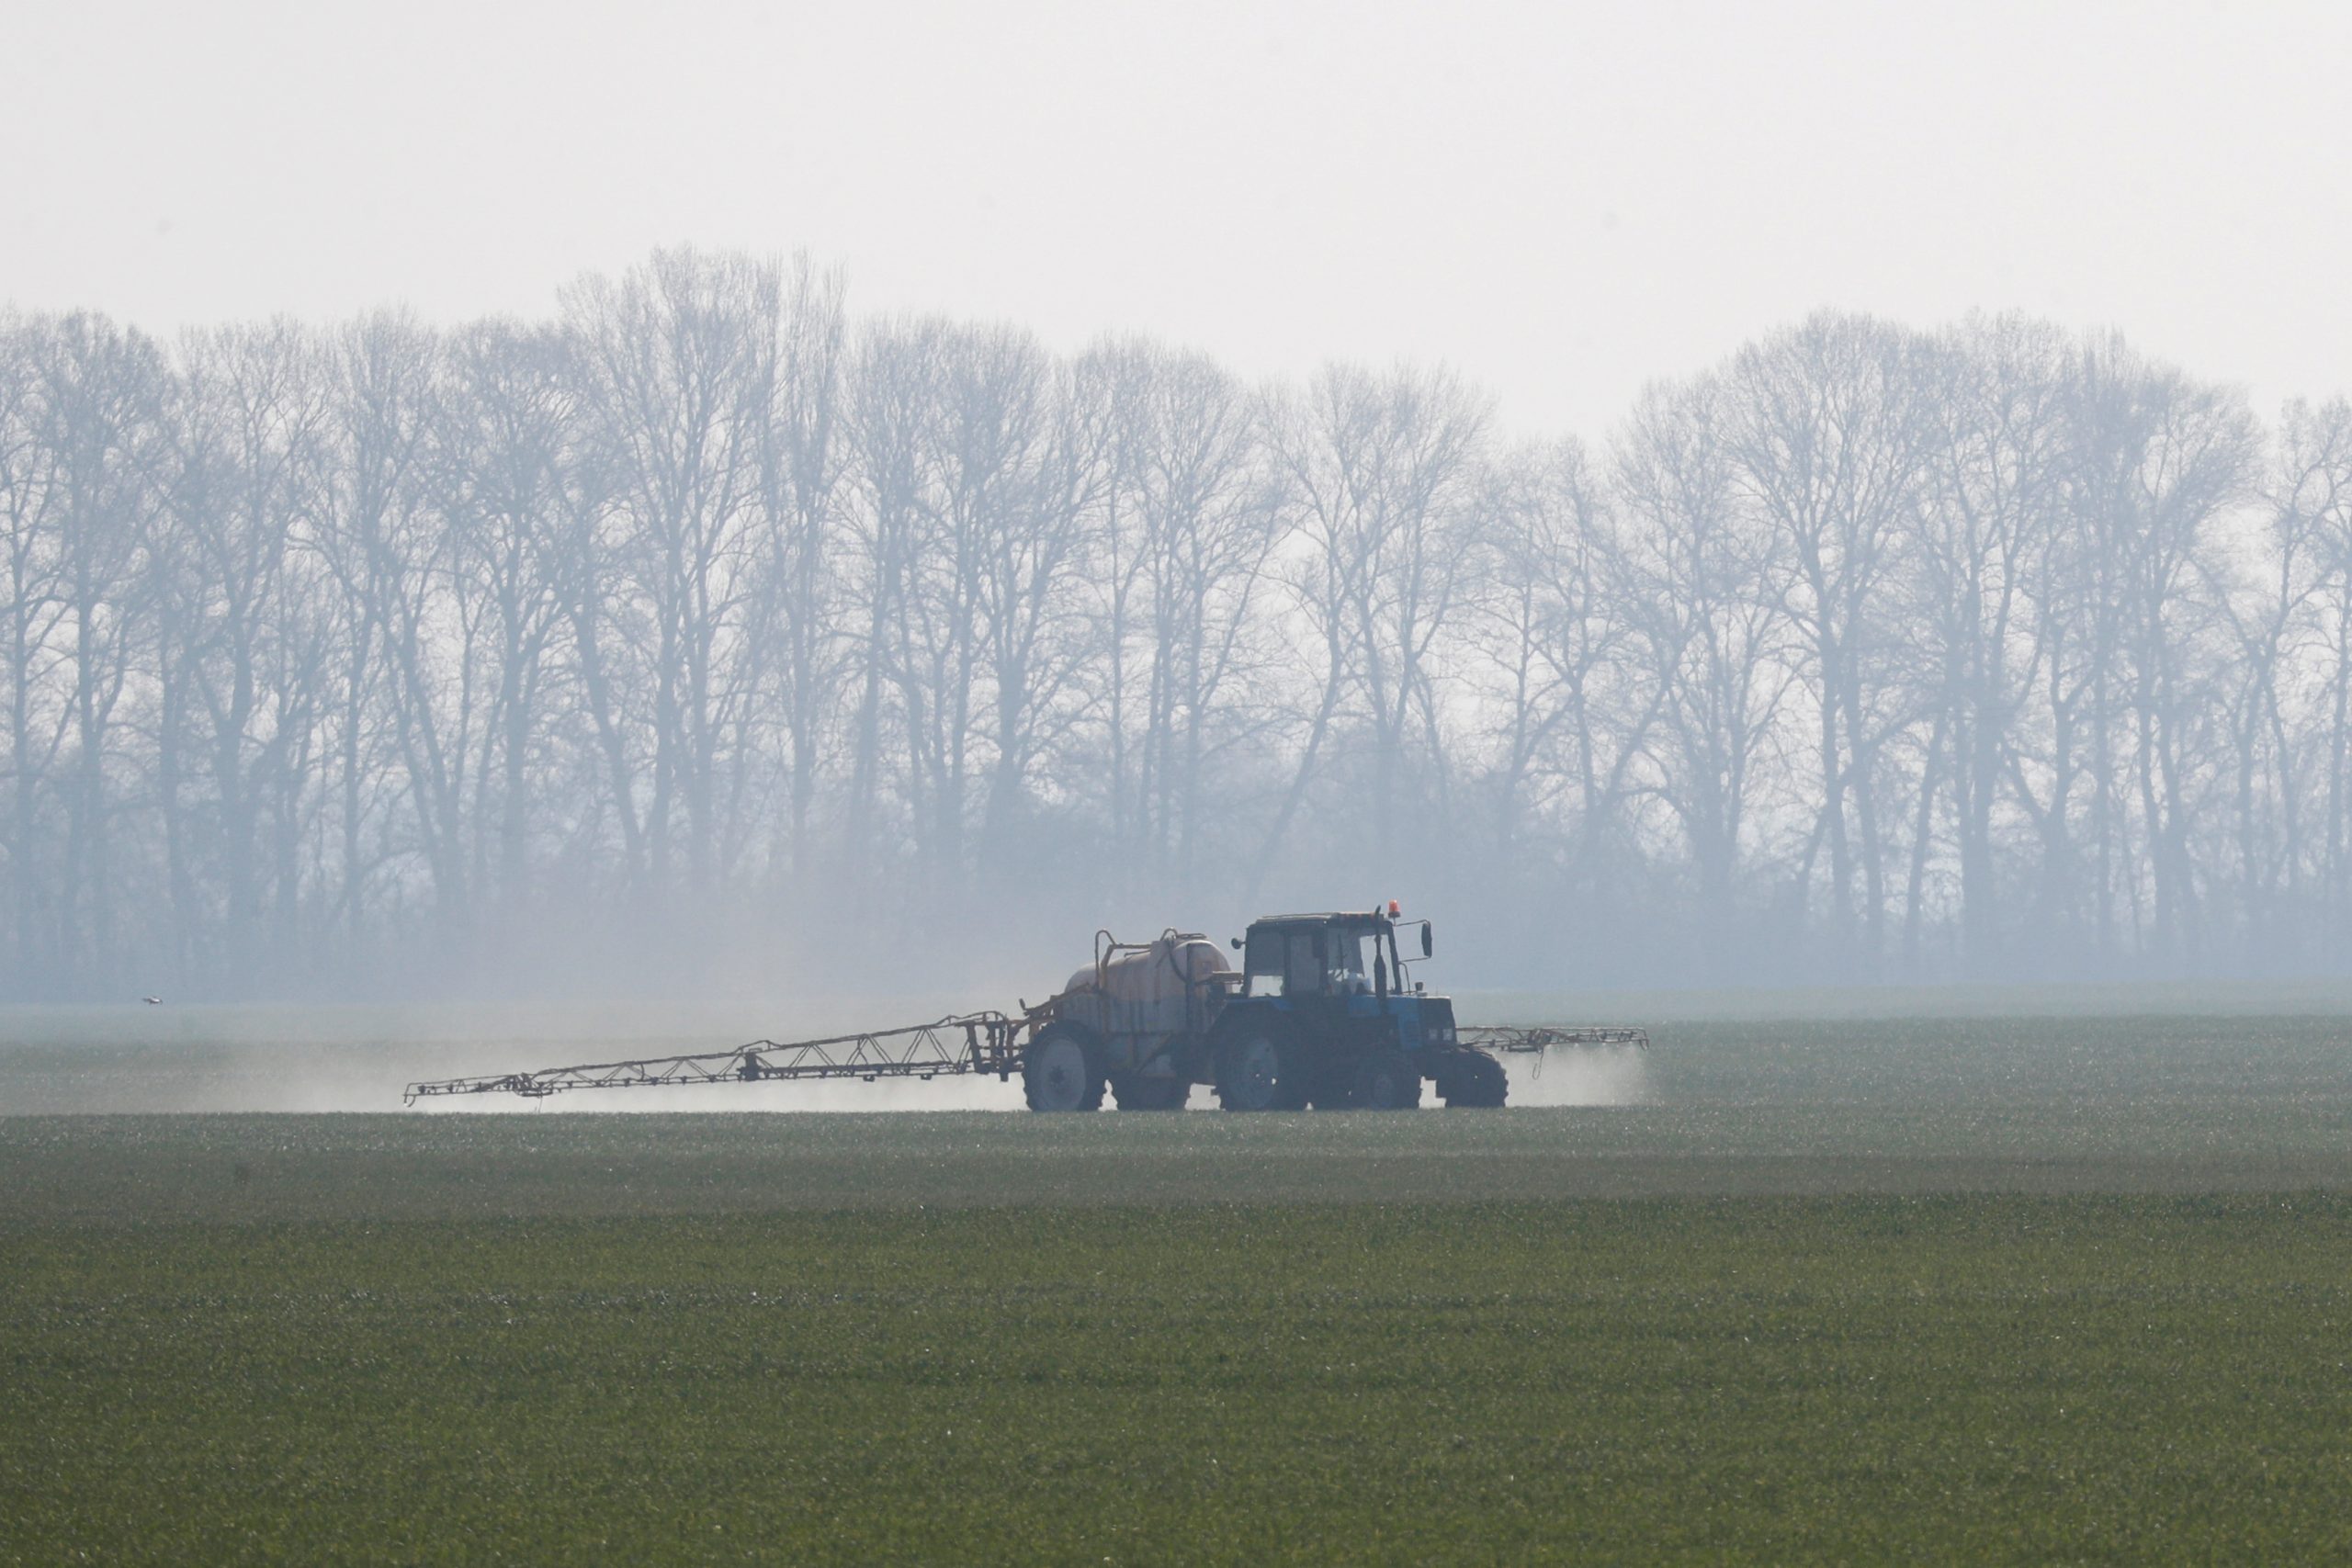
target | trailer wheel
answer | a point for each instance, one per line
(1133, 1092)
(1385, 1080)
(1060, 1073)
(1260, 1070)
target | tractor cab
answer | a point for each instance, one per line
(1308, 958)
(1343, 984)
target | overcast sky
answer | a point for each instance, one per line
(1563, 200)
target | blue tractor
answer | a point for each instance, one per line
(1323, 1013)
(1328, 1015)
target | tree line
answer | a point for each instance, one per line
(704, 621)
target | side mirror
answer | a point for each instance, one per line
(1428, 947)
(1236, 944)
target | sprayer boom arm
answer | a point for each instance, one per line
(1544, 1036)
(969, 1042)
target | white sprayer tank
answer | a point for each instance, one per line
(1163, 988)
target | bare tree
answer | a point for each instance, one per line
(1707, 592)
(2159, 459)
(244, 642)
(2311, 510)
(893, 413)
(102, 407)
(676, 374)
(1827, 427)
(1571, 706)
(1382, 476)
(33, 497)
(1191, 528)
(1998, 462)
(502, 424)
(799, 576)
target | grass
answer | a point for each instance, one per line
(1854, 1377)
(111, 1171)
(1998, 1290)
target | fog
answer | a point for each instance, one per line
(1564, 200)
(747, 508)
(711, 639)
(1616, 1075)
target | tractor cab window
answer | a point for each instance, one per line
(1268, 961)
(1313, 961)
(1303, 961)
(1346, 971)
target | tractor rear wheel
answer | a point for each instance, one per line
(1133, 1092)
(1385, 1080)
(1474, 1081)
(1061, 1072)
(1262, 1070)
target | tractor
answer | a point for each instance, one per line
(1323, 1014)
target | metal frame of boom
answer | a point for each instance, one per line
(1538, 1038)
(969, 1043)
(966, 1043)
(1544, 1036)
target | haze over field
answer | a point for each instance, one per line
(1835, 521)
(2000, 1061)
(754, 552)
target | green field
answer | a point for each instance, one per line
(1995, 1288)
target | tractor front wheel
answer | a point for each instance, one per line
(1061, 1072)
(1385, 1080)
